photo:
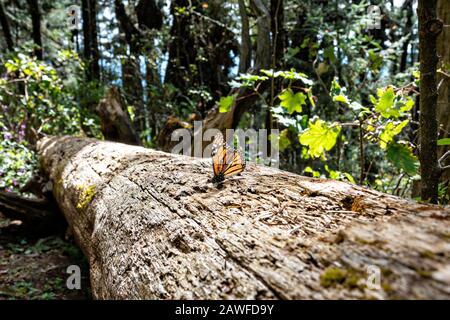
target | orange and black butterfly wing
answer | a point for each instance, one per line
(237, 165)
(218, 160)
(218, 153)
(219, 156)
(226, 160)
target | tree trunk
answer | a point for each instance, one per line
(443, 103)
(278, 31)
(131, 69)
(6, 29)
(35, 14)
(408, 7)
(245, 52)
(263, 47)
(152, 226)
(115, 121)
(91, 53)
(246, 97)
(200, 60)
(429, 29)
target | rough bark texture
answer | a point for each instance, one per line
(443, 104)
(245, 52)
(35, 13)
(38, 215)
(131, 73)
(407, 7)
(263, 48)
(6, 29)
(115, 121)
(429, 29)
(152, 226)
(91, 53)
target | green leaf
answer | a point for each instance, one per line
(357, 106)
(320, 137)
(443, 142)
(311, 98)
(225, 103)
(270, 73)
(329, 53)
(292, 102)
(335, 88)
(341, 98)
(407, 106)
(403, 158)
(315, 174)
(385, 103)
(390, 131)
(283, 140)
(349, 177)
(289, 75)
(376, 60)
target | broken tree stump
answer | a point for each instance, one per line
(152, 226)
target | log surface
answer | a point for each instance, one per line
(154, 227)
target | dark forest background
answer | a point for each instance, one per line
(343, 95)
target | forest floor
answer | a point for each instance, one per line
(35, 267)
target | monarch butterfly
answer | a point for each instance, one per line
(226, 161)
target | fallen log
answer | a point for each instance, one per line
(38, 215)
(152, 226)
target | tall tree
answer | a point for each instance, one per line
(200, 59)
(131, 73)
(35, 13)
(278, 31)
(263, 47)
(429, 29)
(245, 50)
(90, 42)
(149, 17)
(408, 8)
(443, 48)
(6, 29)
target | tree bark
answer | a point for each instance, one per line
(245, 56)
(408, 7)
(35, 13)
(90, 42)
(200, 59)
(38, 216)
(429, 29)
(6, 29)
(263, 47)
(115, 121)
(131, 69)
(278, 31)
(246, 97)
(443, 103)
(152, 226)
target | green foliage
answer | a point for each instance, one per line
(390, 131)
(320, 137)
(288, 75)
(385, 103)
(340, 99)
(283, 139)
(403, 158)
(443, 142)
(35, 100)
(338, 175)
(338, 93)
(17, 163)
(293, 102)
(225, 103)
